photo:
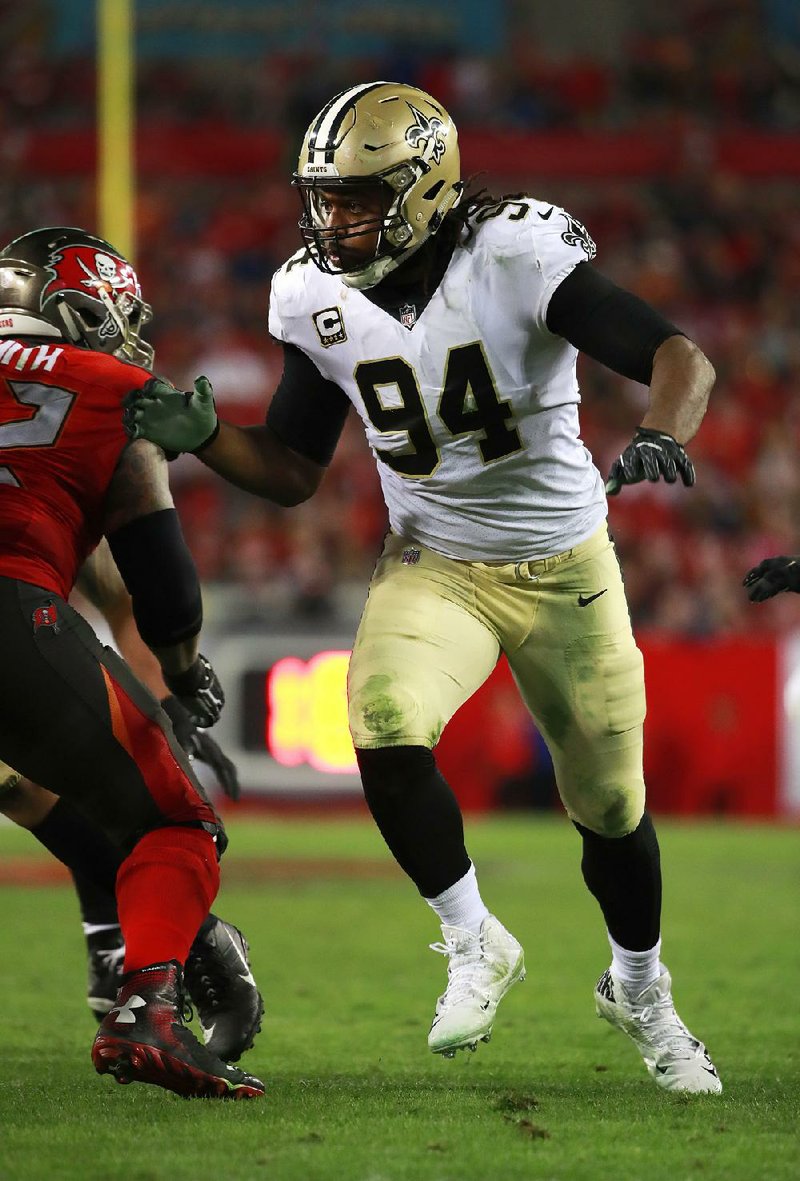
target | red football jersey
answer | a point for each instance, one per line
(61, 437)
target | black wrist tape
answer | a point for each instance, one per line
(208, 441)
(187, 682)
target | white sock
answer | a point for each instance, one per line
(636, 969)
(461, 905)
(93, 928)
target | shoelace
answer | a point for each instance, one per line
(660, 1020)
(182, 1002)
(110, 957)
(465, 961)
(184, 1009)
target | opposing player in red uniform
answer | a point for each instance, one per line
(72, 715)
(217, 973)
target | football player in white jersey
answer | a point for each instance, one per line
(453, 324)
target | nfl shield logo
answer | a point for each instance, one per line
(408, 315)
(411, 557)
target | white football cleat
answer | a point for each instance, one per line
(673, 1056)
(482, 968)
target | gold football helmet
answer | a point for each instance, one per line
(379, 134)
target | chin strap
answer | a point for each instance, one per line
(71, 325)
(377, 271)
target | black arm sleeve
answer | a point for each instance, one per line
(160, 577)
(608, 323)
(307, 412)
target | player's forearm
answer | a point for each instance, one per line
(142, 660)
(254, 459)
(101, 583)
(679, 389)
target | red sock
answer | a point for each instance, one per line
(164, 891)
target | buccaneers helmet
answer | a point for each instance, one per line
(64, 282)
(379, 133)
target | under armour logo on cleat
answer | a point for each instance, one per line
(585, 600)
(126, 1014)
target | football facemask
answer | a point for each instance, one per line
(380, 135)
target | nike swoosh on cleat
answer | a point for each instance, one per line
(246, 975)
(545, 216)
(585, 600)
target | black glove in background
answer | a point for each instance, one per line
(771, 576)
(202, 748)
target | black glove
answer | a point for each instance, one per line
(202, 748)
(199, 692)
(770, 576)
(649, 456)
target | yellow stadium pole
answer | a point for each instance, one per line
(115, 125)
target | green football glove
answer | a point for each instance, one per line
(176, 420)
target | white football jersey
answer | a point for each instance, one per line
(471, 406)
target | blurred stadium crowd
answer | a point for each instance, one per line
(716, 250)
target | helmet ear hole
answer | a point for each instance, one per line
(434, 191)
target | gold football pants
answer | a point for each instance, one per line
(433, 629)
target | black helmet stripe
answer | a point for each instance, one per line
(330, 120)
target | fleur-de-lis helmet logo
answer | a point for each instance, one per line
(427, 135)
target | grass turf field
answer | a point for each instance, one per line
(339, 946)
